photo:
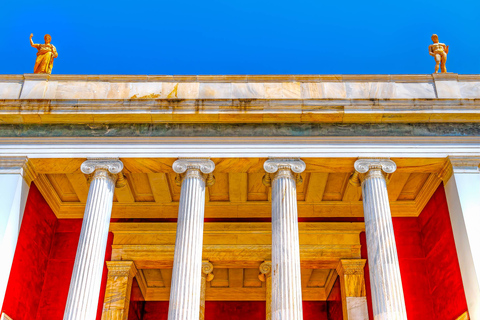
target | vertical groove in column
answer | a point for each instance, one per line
(286, 282)
(386, 282)
(82, 301)
(186, 275)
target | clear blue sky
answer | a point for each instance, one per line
(240, 37)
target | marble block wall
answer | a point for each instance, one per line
(31, 86)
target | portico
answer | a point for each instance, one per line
(246, 189)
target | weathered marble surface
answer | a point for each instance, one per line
(31, 86)
(243, 130)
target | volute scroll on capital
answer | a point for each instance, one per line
(112, 167)
(365, 167)
(207, 269)
(203, 166)
(265, 270)
(273, 165)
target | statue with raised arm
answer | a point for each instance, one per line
(439, 51)
(45, 55)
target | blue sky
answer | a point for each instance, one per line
(241, 37)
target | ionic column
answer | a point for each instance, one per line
(352, 284)
(119, 287)
(266, 276)
(283, 175)
(386, 284)
(194, 175)
(462, 190)
(207, 276)
(82, 301)
(16, 174)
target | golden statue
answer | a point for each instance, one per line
(45, 55)
(439, 51)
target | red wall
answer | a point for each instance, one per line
(441, 258)
(429, 268)
(234, 310)
(30, 262)
(43, 263)
(334, 302)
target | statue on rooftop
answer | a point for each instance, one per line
(45, 55)
(439, 51)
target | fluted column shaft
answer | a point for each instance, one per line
(82, 301)
(286, 279)
(187, 262)
(386, 284)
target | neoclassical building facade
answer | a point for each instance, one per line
(226, 197)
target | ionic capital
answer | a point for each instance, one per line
(18, 165)
(105, 167)
(203, 168)
(274, 166)
(207, 269)
(265, 270)
(121, 269)
(365, 168)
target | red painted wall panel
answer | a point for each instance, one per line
(235, 310)
(428, 260)
(334, 302)
(441, 258)
(29, 266)
(60, 268)
(43, 263)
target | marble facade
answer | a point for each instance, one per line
(280, 147)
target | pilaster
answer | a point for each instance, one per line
(119, 287)
(266, 276)
(462, 190)
(352, 283)
(207, 276)
(16, 175)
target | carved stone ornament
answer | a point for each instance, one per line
(265, 270)
(272, 165)
(363, 166)
(296, 165)
(113, 166)
(203, 165)
(207, 269)
(18, 165)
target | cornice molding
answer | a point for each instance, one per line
(18, 165)
(459, 164)
(241, 78)
(121, 268)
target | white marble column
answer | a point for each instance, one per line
(385, 281)
(462, 189)
(15, 177)
(82, 301)
(283, 175)
(194, 175)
